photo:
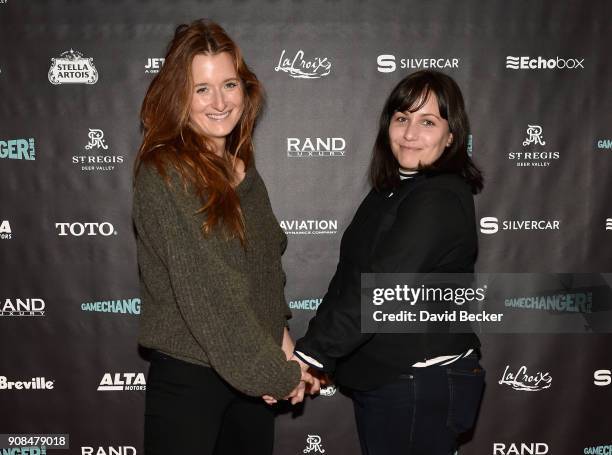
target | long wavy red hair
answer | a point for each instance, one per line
(170, 141)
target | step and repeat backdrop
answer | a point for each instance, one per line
(73, 74)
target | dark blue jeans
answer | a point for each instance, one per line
(423, 412)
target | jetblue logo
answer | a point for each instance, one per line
(5, 230)
(154, 65)
(542, 63)
(91, 229)
(122, 381)
(18, 149)
(387, 63)
(314, 147)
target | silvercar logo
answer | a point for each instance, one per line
(542, 63)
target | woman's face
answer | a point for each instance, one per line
(217, 99)
(419, 137)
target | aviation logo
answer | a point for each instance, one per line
(301, 67)
(72, 68)
(309, 227)
(90, 162)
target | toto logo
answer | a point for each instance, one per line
(522, 448)
(78, 229)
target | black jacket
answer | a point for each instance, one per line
(427, 225)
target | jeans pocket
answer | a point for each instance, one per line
(465, 392)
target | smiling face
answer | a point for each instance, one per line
(418, 138)
(217, 99)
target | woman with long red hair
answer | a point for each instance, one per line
(209, 248)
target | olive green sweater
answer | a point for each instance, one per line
(206, 300)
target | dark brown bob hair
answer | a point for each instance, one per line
(409, 95)
(170, 141)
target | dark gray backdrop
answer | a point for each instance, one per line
(568, 182)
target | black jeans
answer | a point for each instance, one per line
(191, 410)
(423, 412)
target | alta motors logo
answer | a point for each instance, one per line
(72, 68)
(78, 229)
(314, 444)
(122, 382)
(37, 383)
(303, 68)
(97, 142)
(5, 230)
(542, 63)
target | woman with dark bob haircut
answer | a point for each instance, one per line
(214, 316)
(413, 393)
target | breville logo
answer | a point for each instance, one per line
(37, 383)
(78, 229)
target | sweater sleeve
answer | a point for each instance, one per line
(427, 226)
(211, 295)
